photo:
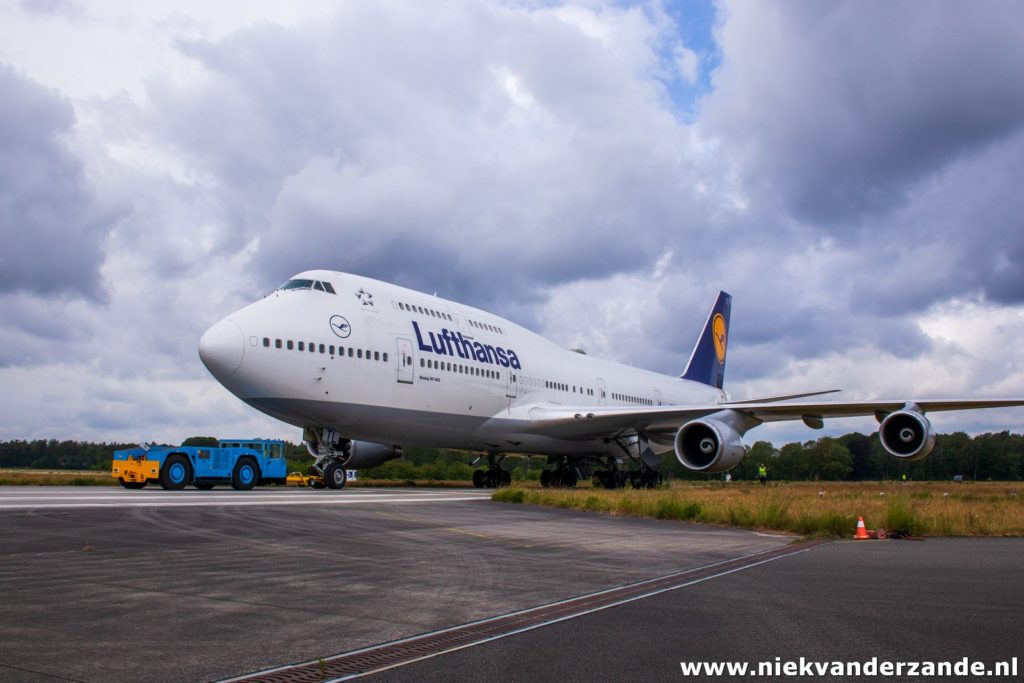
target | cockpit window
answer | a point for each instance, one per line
(298, 284)
(309, 284)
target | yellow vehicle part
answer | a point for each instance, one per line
(300, 479)
(135, 469)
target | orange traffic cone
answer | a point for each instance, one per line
(862, 532)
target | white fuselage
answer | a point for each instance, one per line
(378, 362)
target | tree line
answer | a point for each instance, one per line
(851, 457)
(858, 457)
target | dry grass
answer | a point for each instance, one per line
(826, 509)
(19, 477)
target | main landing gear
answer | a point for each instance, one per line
(564, 476)
(561, 478)
(493, 477)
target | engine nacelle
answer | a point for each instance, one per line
(708, 445)
(362, 455)
(907, 435)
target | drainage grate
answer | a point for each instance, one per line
(408, 650)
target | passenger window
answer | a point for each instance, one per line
(266, 341)
(301, 347)
(312, 347)
(422, 362)
(385, 357)
(322, 348)
(277, 343)
(376, 355)
(290, 345)
(359, 353)
(331, 348)
(350, 352)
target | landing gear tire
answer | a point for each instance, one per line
(335, 476)
(650, 479)
(246, 475)
(132, 484)
(560, 478)
(506, 478)
(478, 478)
(176, 472)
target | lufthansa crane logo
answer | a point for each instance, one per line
(718, 335)
(340, 326)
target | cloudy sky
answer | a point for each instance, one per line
(851, 172)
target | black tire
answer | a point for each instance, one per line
(176, 472)
(506, 478)
(133, 484)
(478, 478)
(246, 474)
(545, 478)
(569, 479)
(318, 484)
(335, 476)
(204, 486)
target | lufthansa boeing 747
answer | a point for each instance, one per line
(364, 368)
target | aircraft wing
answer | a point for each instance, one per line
(588, 422)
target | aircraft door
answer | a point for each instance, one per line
(602, 394)
(405, 364)
(513, 380)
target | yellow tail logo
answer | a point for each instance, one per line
(718, 335)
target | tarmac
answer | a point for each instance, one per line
(107, 584)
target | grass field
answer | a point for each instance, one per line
(807, 508)
(19, 477)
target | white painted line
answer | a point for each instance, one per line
(231, 502)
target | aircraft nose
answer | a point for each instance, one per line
(221, 348)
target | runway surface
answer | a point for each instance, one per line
(52, 497)
(177, 586)
(190, 588)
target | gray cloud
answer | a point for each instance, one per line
(505, 144)
(843, 108)
(51, 226)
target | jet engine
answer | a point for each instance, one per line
(362, 455)
(907, 434)
(708, 445)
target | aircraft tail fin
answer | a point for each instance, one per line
(707, 362)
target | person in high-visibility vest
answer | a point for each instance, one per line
(762, 474)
